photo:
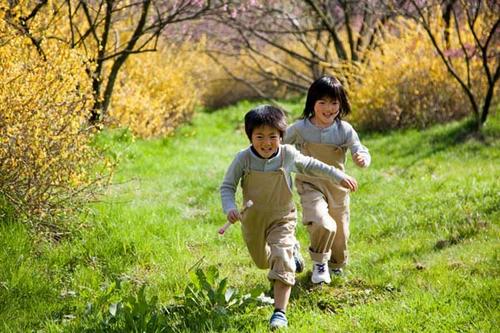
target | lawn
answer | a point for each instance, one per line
(424, 243)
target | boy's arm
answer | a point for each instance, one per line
(230, 184)
(312, 167)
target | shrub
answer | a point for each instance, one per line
(44, 138)
(157, 91)
(405, 84)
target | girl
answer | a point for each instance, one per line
(268, 226)
(322, 134)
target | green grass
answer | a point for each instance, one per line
(424, 236)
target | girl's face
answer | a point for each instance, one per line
(325, 111)
(266, 140)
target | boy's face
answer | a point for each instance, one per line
(326, 110)
(266, 140)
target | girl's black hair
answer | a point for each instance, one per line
(265, 115)
(326, 86)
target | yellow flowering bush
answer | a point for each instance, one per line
(406, 84)
(157, 91)
(45, 157)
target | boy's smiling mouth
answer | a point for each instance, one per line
(266, 151)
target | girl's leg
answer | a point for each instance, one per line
(340, 252)
(321, 228)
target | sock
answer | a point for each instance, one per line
(279, 310)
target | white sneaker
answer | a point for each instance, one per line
(320, 273)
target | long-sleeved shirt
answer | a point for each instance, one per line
(340, 133)
(294, 161)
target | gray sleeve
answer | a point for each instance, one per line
(312, 167)
(230, 183)
(290, 136)
(354, 144)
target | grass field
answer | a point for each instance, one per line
(424, 243)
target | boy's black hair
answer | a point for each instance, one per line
(326, 86)
(265, 115)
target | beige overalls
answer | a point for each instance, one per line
(325, 206)
(268, 227)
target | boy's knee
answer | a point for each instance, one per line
(281, 259)
(287, 278)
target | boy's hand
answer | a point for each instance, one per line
(350, 183)
(359, 160)
(233, 216)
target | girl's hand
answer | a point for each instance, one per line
(233, 216)
(359, 160)
(350, 183)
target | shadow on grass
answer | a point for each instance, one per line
(340, 294)
(435, 142)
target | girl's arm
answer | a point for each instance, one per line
(290, 136)
(360, 154)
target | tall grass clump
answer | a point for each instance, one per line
(45, 142)
(405, 84)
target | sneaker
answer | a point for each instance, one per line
(297, 257)
(320, 273)
(336, 271)
(278, 320)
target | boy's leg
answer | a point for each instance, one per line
(281, 295)
(281, 240)
(254, 234)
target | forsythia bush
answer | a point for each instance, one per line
(157, 91)
(406, 85)
(46, 163)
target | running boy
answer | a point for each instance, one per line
(322, 134)
(268, 227)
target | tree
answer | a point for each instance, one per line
(474, 26)
(109, 31)
(294, 42)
